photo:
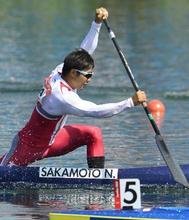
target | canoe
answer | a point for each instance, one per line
(80, 176)
(141, 214)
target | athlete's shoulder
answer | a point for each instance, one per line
(65, 87)
(58, 69)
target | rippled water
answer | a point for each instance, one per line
(35, 37)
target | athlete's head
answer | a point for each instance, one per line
(79, 59)
(78, 68)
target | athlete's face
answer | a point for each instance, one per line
(82, 78)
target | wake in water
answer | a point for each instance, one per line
(184, 94)
(19, 86)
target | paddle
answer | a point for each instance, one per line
(173, 166)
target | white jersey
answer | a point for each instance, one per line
(59, 99)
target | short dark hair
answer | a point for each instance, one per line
(79, 59)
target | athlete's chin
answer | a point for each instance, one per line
(83, 86)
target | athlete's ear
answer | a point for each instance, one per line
(73, 73)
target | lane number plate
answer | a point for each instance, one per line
(127, 194)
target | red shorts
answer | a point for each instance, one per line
(68, 138)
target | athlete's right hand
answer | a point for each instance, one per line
(101, 14)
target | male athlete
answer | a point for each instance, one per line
(45, 134)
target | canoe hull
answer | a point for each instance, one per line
(147, 176)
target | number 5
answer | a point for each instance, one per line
(130, 194)
(133, 198)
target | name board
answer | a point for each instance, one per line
(57, 172)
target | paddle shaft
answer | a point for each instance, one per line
(135, 85)
(174, 168)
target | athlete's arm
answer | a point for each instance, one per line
(70, 103)
(90, 42)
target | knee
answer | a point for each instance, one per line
(95, 133)
(94, 137)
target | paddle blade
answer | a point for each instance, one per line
(173, 166)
